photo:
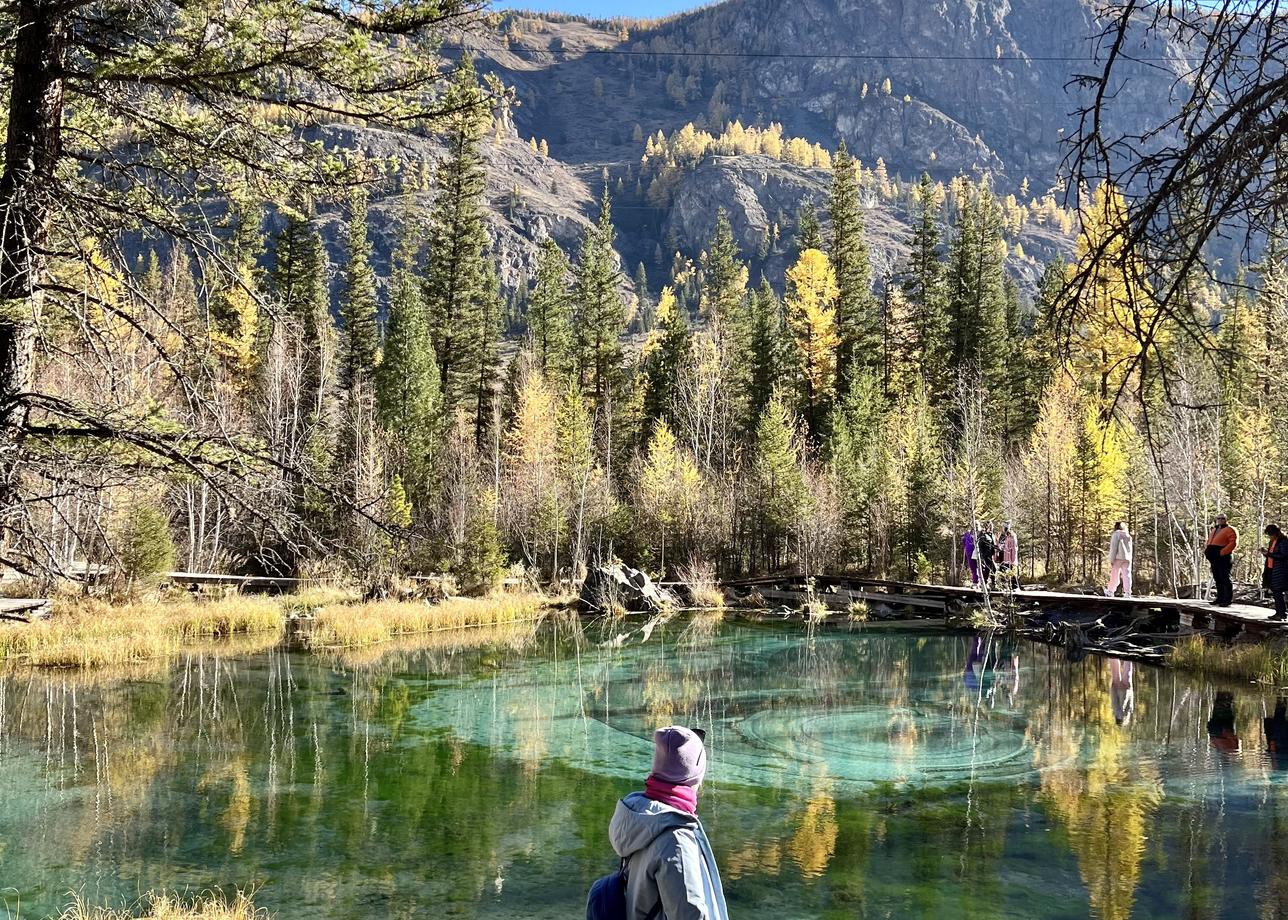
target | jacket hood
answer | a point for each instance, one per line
(639, 820)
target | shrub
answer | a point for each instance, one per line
(144, 548)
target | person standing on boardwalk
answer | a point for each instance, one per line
(1009, 554)
(986, 547)
(1222, 542)
(670, 870)
(1120, 556)
(1274, 577)
(969, 554)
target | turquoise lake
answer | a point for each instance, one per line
(871, 773)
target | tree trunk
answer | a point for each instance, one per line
(33, 148)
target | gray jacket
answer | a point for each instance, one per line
(668, 860)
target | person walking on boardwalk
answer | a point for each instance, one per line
(1274, 577)
(1120, 556)
(1009, 554)
(670, 870)
(986, 548)
(969, 553)
(1222, 542)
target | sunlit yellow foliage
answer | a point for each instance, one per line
(811, 315)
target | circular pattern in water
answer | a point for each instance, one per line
(879, 743)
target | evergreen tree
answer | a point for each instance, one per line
(600, 310)
(550, 313)
(766, 359)
(809, 235)
(724, 280)
(923, 289)
(407, 387)
(776, 495)
(299, 283)
(456, 279)
(645, 316)
(856, 310)
(977, 292)
(358, 305)
(487, 356)
(665, 354)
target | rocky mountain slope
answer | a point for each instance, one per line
(948, 87)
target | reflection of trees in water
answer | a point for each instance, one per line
(1103, 797)
(294, 761)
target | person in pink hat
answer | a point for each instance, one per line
(670, 870)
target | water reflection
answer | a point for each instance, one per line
(472, 775)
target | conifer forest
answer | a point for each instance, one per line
(200, 373)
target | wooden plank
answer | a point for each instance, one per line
(25, 609)
(243, 581)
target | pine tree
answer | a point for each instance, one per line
(358, 305)
(724, 280)
(811, 316)
(299, 283)
(601, 313)
(456, 279)
(407, 387)
(767, 356)
(977, 293)
(550, 313)
(925, 293)
(856, 309)
(665, 354)
(776, 494)
(809, 235)
(487, 356)
(645, 316)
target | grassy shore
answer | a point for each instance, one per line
(1259, 662)
(355, 626)
(89, 634)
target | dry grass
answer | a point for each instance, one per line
(93, 635)
(704, 587)
(1259, 662)
(89, 633)
(357, 625)
(398, 652)
(858, 612)
(209, 906)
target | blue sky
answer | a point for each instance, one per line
(601, 8)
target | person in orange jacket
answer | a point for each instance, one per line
(1222, 542)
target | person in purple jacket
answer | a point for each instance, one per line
(968, 553)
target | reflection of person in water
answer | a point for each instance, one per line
(1277, 735)
(1122, 693)
(978, 676)
(1221, 727)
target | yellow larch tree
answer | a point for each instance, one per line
(811, 316)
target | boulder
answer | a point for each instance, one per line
(613, 585)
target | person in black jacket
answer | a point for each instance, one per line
(986, 545)
(1274, 577)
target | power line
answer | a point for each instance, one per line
(815, 56)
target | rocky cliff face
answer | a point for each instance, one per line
(944, 86)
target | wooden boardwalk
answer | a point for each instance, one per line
(839, 591)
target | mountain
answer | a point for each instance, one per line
(949, 87)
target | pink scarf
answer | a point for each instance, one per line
(685, 798)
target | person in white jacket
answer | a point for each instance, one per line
(1120, 552)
